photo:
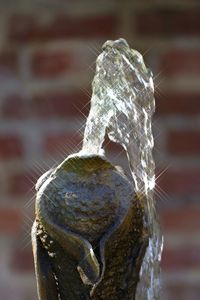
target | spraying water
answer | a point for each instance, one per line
(122, 105)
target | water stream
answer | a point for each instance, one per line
(122, 105)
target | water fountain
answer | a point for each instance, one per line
(96, 234)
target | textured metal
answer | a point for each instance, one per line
(88, 235)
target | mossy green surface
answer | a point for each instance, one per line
(84, 164)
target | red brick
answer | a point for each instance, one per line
(184, 142)
(182, 291)
(168, 22)
(187, 103)
(14, 107)
(94, 26)
(8, 63)
(21, 183)
(182, 182)
(63, 143)
(22, 260)
(51, 64)
(148, 23)
(180, 62)
(183, 219)
(10, 221)
(25, 28)
(10, 146)
(112, 147)
(181, 258)
(61, 104)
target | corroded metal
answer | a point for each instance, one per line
(88, 236)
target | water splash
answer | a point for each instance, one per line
(122, 105)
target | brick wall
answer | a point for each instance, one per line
(47, 55)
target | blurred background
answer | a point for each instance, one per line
(47, 61)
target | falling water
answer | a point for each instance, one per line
(122, 105)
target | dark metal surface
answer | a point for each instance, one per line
(88, 236)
